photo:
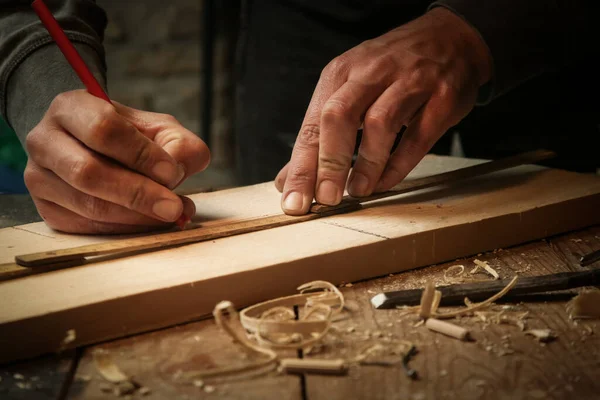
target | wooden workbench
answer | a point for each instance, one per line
(501, 363)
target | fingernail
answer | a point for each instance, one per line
(328, 193)
(166, 172)
(180, 174)
(293, 202)
(168, 210)
(359, 184)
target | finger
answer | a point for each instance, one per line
(99, 177)
(100, 127)
(383, 120)
(61, 219)
(420, 136)
(340, 120)
(180, 143)
(281, 177)
(299, 187)
(46, 185)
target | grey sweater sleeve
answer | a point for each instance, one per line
(32, 68)
(529, 37)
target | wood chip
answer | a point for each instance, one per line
(144, 391)
(486, 267)
(199, 383)
(585, 305)
(447, 328)
(209, 389)
(542, 335)
(70, 337)
(107, 368)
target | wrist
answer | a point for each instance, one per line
(473, 47)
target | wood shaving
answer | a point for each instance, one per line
(144, 391)
(454, 274)
(209, 389)
(313, 365)
(542, 335)
(107, 368)
(19, 377)
(585, 305)
(486, 267)
(199, 383)
(429, 292)
(427, 298)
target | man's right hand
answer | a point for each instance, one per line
(96, 167)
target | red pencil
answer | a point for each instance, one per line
(79, 66)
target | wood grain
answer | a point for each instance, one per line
(157, 359)
(502, 362)
(115, 298)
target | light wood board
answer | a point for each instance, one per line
(119, 297)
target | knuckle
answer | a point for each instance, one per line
(335, 110)
(136, 197)
(32, 178)
(83, 172)
(32, 141)
(336, 66)
(142, 156)
(299, 176)
(308, 137)
(94, 208)
(378, 119)
(372, 163)
(102, 130)
(337, 163)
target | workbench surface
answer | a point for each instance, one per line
(501, 363)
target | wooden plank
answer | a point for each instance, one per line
(44, 378)
(451, 369)
(145, 243)
(115, 298)
(156, 359)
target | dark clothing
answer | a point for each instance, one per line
(285, 44)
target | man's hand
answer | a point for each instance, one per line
(100, 168)
(424, 75)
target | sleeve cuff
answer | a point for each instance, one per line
(39, 78)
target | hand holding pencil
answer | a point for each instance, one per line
(97, 166)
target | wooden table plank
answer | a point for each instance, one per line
(502, 363)
(156, 359)
(43, 378)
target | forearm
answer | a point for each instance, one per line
(32, 69)
(527, 38)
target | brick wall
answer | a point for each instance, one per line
(154, 54)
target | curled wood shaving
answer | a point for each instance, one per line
(451, 276)
(107, 368)
(477, 306)
(427, 298)
(486, 267)
(227, 318)
(286, 333)
(585, 305)
(437, 298)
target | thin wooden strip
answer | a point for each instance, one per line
(160, 240)
(531, 157)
